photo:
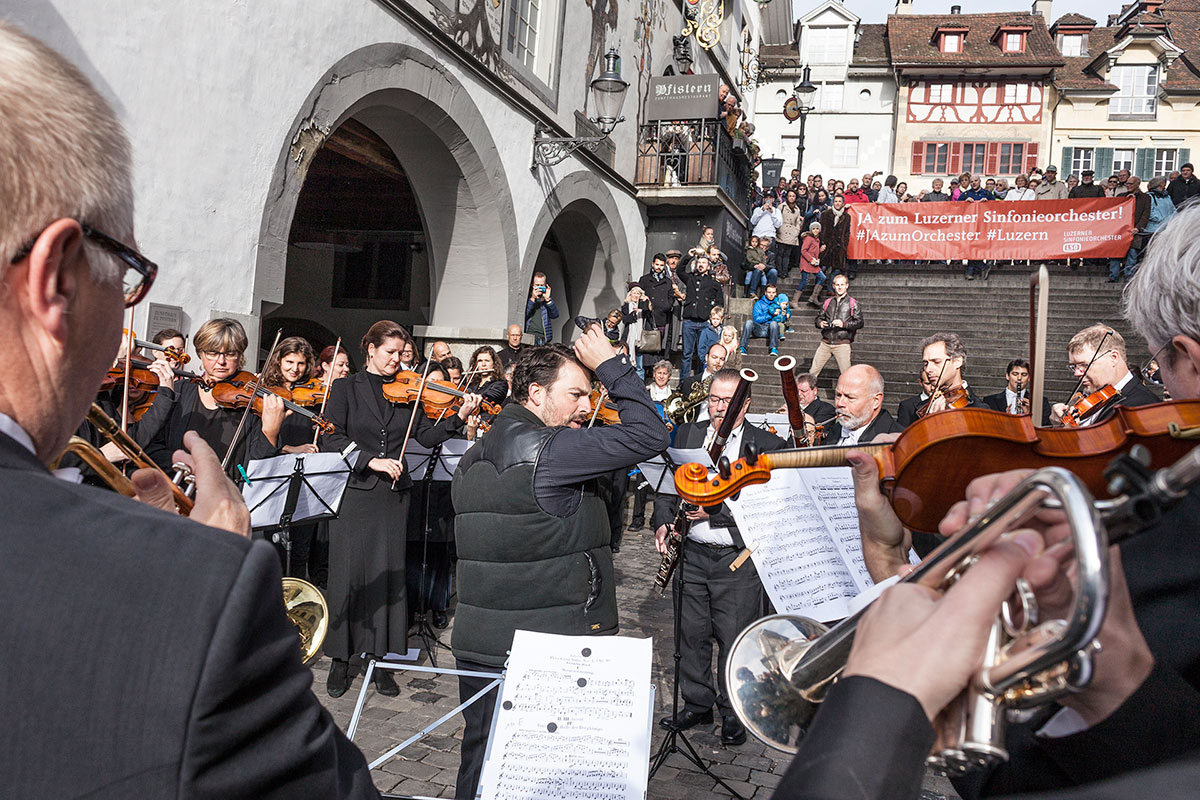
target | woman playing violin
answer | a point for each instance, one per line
(367, 598)
(487, 377)
(333, 368)
(291, 365)
(1096, 357)
(221, 345)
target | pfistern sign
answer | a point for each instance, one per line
(682, 97)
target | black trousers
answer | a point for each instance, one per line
(717, 605)
(477, 725)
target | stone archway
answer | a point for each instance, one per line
(579, 241)
(443, 146)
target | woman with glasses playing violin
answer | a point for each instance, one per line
(221, 345)
(368, 603)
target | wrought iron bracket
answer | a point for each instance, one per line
(551, 150)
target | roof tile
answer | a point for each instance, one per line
(909, 39)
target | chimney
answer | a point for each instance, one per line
(1042, 8)
(955, 9)
(904, 6)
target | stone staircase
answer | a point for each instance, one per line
(904, 303)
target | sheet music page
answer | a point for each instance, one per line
(800, 566)
(452, 452)
(266, 493)
(573, 720)
(833, 490)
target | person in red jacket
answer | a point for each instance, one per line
(810, 262)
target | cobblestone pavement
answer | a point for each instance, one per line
(428, 767)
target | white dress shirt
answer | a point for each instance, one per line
(849, 437)
(10, 428)
(701, 531)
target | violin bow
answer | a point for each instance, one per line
(336, 347)
(129, 338)
(413, 414)
(237, 434)
(462, 386)
(1039, 285)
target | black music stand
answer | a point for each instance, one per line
(278, 498)
(675, 735)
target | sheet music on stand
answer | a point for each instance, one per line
(573, 720)
(780, 422)
(659, 471)
(416, 459)
(324, 483)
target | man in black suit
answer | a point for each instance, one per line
(659, 286)
(145, 655)
(1014, 397)
(821, 412)
(859, 403)
(717, 603)
(1097, 358)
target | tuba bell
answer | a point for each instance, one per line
(680, 409)
(780, 667)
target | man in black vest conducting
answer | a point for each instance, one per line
(531, 533)
(717, 603)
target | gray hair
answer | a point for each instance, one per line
(1156, 183)
(660, 364)
(63, 152)
(953, 342)
(1163, 299)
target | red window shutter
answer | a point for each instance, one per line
(992, 164)
(1031, 156)
(955, 159)
(918, 158)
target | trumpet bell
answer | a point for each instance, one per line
(307, 610)
(758, 674)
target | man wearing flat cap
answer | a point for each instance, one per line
(1087, 186)
(1051, 188)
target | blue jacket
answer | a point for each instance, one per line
(1162, 208)
(770, 310)
(708, 337)
(547, 311)
(976, 194)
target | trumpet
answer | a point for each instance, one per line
(780, 668)
(183, 483)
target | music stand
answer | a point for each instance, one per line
(292, 488)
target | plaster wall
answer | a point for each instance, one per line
(213, 98)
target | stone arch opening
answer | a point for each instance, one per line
(416, 222)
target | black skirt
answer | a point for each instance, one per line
(368, 604)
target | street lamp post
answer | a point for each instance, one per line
(804, 94)
(608, 91)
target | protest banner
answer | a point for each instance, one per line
(1051, 230)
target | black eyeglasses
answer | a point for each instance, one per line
(139, 271)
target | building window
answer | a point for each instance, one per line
(936, 160)
(830, 96)
(826, 45)
(1012, 159)
(1082, 158)
(952, 42)
(974, 157)
(1070, 44)
(1166, 161)
(378, 275)
(530, 36)
(940, 92)
(845, 151)
(1014, 42)
(1122, 159)
(1015, 93)
(1137, 90)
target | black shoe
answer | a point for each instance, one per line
(686, 719)
(733, 732)
(441, 620)
(636, 525)
(385, 684)
(987, 270)
(339, 678)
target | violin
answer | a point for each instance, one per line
(1081, 406)
(438, 397)
(604, 411)
(928, 468)
(143, 384)
(235, 392)
(309, 394)
(955, 398)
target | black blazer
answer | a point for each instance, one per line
(821, 411)
(691, 435)
(881, 424)
(191, 683)
(182, 418)
(999, 402)
(906, 412)
(377, 427)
